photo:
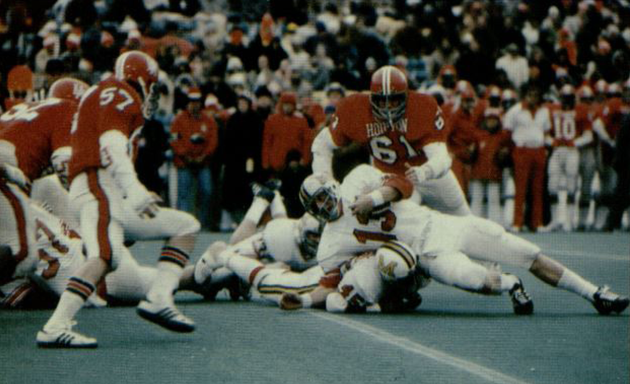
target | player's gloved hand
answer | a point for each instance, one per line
(143, 202)
(16, 176)
(416, 175)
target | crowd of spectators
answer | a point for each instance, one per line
(267, 74)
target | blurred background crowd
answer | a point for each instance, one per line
(246, 85)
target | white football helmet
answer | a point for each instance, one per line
(320, 197)
(309, 231)
(395, 260)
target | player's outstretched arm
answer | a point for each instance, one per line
(322, 149)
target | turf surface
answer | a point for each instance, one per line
(454, 337)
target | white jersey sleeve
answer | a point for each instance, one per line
(361, 180)
(322, 148)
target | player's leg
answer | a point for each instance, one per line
(277, 282)
(263, 197)
(508, 198)
(17, 233)
(494, 201)
(587, 173)
(522, 170)
(159, 306)
(556, 187)
(457, 270)
(537, 185)
(484, 240)
(103, 238)
(445, 195)
(572, 165)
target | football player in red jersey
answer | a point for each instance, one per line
(29, 148)
(405, 133)
(114, 206)
(571, 130)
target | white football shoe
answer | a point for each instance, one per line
(64, 337)
(165, 315)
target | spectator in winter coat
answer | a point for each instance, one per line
(284, 131)
(194, 138)
(241, 148)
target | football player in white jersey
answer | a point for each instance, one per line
(278, 259)
(364, 212)
(61, 253)
(387, 281)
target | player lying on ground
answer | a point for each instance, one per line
(61, 253)
(278, 259)
(364, 212)
(30, 146)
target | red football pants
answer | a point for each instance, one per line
(529, 177)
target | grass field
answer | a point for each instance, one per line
(454, 337)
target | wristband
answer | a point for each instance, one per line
(377, 198)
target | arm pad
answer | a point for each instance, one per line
(115, 158)
(438, 163)
(322, 148)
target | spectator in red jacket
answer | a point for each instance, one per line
(285, 131)
(194, 138)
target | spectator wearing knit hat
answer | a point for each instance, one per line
(194, 139)
(285, 131)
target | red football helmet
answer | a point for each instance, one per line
(388, 94)
(68, 88)
(141, 72)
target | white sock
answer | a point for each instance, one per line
(508, 281)
(256, 210)
(68, 306)
(573, 282)
(166, 282)
(277, 206)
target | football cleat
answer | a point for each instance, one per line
(521, 301)
(64, 337)
(290, 302)
(262, 191)
(606, 301)
(166, 316)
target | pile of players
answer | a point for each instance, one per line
(365, 244)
